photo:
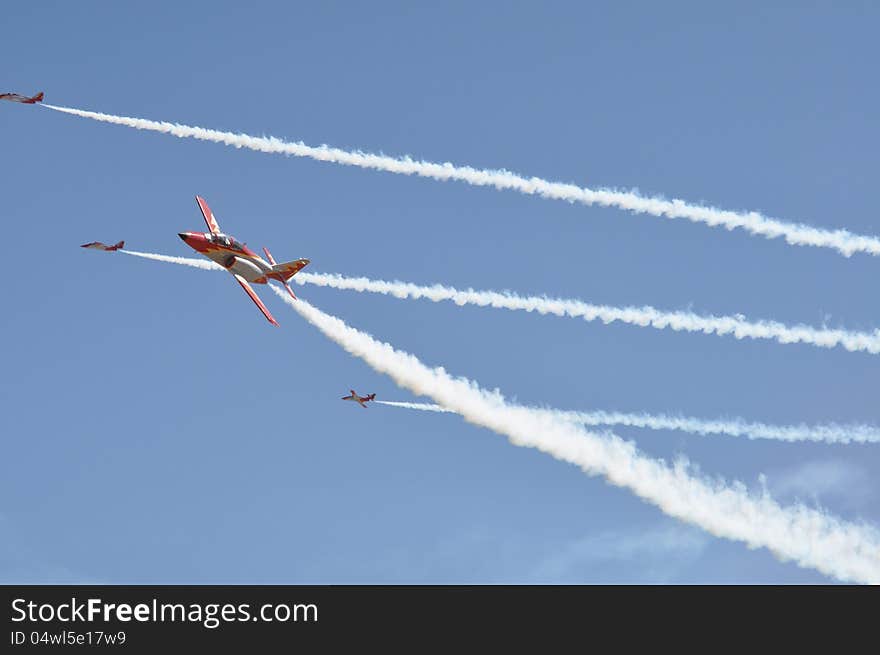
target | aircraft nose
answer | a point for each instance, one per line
(183, 235)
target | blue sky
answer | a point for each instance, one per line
(158, 430)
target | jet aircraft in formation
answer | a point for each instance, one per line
(17, 97)
(97, 245)
(361, 400)
(245, 265)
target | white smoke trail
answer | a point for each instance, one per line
(735, 427)
(811, 538)
(204, 264)
(799, 234)
(830, 433)
(423, 407)
(646, 316)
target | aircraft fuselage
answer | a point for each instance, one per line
(231, 254)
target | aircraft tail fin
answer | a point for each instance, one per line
(287, 270)
(119, 245)
(283, 272)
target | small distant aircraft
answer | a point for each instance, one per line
(17, 97)
(97, 245)
(244, 264)
(361, 400)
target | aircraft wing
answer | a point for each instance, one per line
(209, 215)
(259, 303)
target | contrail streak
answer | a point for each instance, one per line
(204, 264)
(830, 433)
(737, 326)
(423, 407)
(735, 427)
(645, 316)
(799, 234)
(811, 538)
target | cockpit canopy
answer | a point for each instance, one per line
(227, 241)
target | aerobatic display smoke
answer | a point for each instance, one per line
(809, 537)
(204, 264)
(843, 241)
(735, 427)
(422, 407)
(646, 316)
(680, 321)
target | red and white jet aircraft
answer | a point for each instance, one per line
(17, 97)
(244, 264)
(361, 400)
(102, 246)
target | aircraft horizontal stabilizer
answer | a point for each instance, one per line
(287, 270)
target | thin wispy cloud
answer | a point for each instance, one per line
(23, 563)
(652, 555)
(844, 481)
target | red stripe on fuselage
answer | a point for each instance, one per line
(198, 242)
